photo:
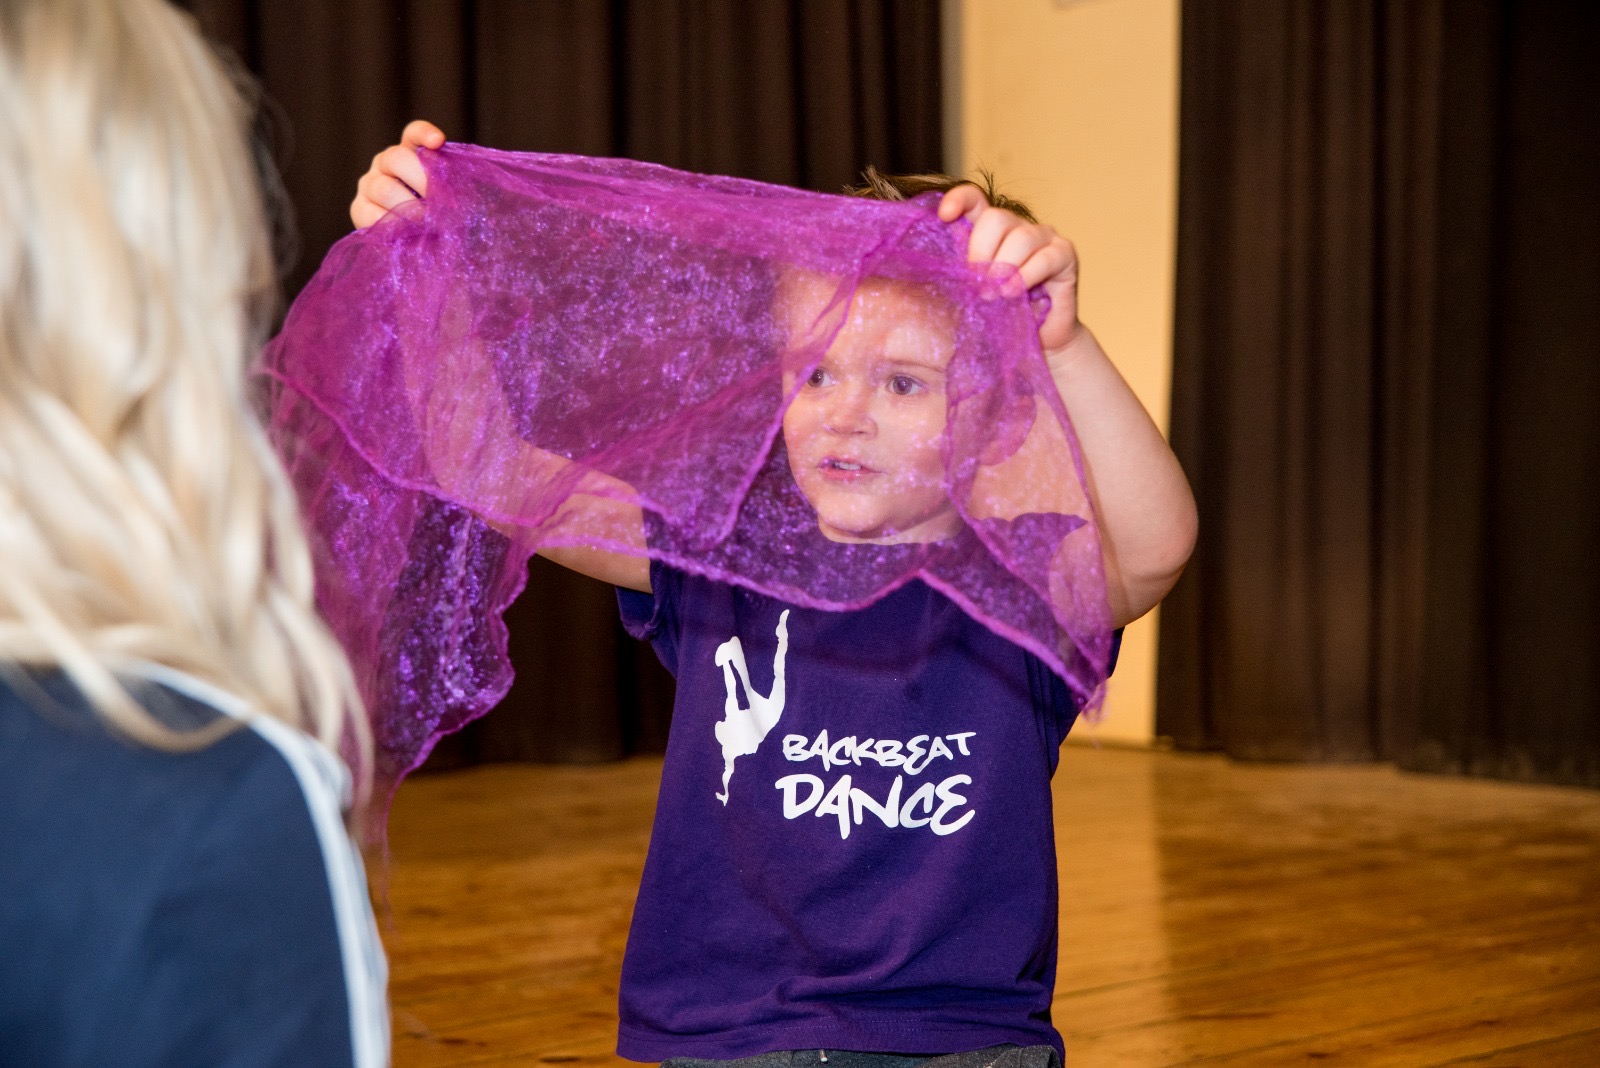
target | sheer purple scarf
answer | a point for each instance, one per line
(561, 351)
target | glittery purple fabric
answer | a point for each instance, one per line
(560, 351)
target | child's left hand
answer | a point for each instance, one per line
(1040, 255)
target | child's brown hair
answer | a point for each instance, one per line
(879, 186)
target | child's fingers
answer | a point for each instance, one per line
(378, 195)
(396, 175)
(1055, 263)
(363, 212)
(400, 162)
(389, 193)
(990, 229)
(1039, 254)
(420, 133)
(962, 200)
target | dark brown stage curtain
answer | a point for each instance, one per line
(801, 92)
(1387, 385)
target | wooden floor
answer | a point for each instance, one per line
(1212, 913)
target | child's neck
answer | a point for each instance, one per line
(938, 528)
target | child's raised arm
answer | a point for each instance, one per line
(1143, 502)
(598, 507)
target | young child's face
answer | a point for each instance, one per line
(864, 429)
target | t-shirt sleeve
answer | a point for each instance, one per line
(652, 616)
(1051, 693)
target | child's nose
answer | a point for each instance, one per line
(850, 410)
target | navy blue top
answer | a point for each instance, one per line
(853, 847)
(170, 909)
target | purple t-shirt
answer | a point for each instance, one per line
(853, 847)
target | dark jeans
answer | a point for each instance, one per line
(993, 1057)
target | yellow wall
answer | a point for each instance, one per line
(1074, 105)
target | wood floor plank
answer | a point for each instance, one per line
(1467, 1027)
(1465, 1030)
(1580, 1050)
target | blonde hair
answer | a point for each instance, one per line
(143, 514)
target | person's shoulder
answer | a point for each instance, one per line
(284, 849)
(272, 770)
(238, 847)
(60, 742)
(60, 756)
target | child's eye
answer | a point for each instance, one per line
(904, 385)
(819, 377)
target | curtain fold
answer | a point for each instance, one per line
(799, 92)
(1385, 386)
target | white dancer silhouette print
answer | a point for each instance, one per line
(743, 728)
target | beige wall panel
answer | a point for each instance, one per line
(1073, 104)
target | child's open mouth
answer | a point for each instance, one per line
(842, 470)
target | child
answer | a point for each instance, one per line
(853, 848)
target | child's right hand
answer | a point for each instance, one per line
(396, 175)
